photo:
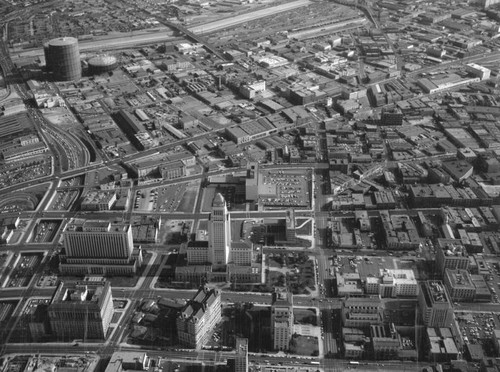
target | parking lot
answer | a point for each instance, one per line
(64, 199)
(16, 172)
(286, 188)
(19, 201)
(493, 279)
(477, 328)
(47, 281)
(45, 231)
(6, 310)
(172, 198)
(24, 269)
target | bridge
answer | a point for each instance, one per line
(199, 39)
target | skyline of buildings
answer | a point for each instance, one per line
(242, 186)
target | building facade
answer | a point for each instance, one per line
(434, 304)
(459, 285)
(81, 310)
(199, 317)
(360, 312)
(451, 254)
(281, 318)
(99, 248)
(219, 226)
(241, 359)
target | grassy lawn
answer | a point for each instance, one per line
(275, 278)
(305, 316)
(208, 198)
(188, 198)
(298, 282)
(304, 230)
(304, 345)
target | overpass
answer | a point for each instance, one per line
(211, 48)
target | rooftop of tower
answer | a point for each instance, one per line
(219, 200)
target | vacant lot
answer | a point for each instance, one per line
(305, 316)
(304, 345)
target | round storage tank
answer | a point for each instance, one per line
(47, 56)
(64, 58)
(101, 64)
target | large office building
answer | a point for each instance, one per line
(393, 283)
(281, 318)
(451, 254)
(241, 359)
(362, 312)
(434, 304)
(62, 58)
(81, 310)
(487, 3)
(385, 341)
(219, 226)
(99, 248)
(459, 285)
(199, 317)
(241, 253)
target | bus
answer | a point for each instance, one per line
(353, 363)
(315, 363)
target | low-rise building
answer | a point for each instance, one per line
(98, 200)
(128, 361)
(440, 345)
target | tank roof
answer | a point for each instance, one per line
(102, 60)
(62, 41)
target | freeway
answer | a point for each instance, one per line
(128, 40)
(250, 16)
(492, 56)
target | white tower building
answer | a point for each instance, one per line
(219, 227)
